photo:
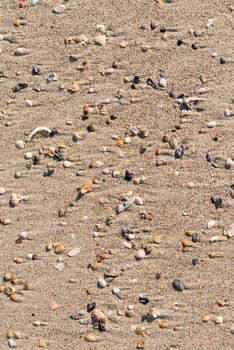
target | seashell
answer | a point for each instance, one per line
(218, 319)
(162, 83)
(140, 344)
(59, 249)
(109, 71)
(23, 235)
(73, 88)
(115, 290)
(2, 190)
(90, 338)
(157, 240)
(120, 143)
(77, 39)
(28, 103)
(138, 201)
(9, 333)
(123, 44)
(97, 316)
(59, 267)
(101, 28)
(73, 251)
(67, 164)
(230, 231)
(40, 323)
(41, 343)
(229, 163)
(22, 4)
(77, 136)
(140, 254)
(205, 318)
(211, 124)
(11, 343)
(20, 144)
(59, 9)
(52, 77)
(153, 25)
(101, 283)
(39, 130)
(162, 325)
(21, 51)
(160, 4)
(211, 223)
(100, 39)
(217, 239)
(86, 188)
(28, 155)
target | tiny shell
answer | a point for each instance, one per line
(162, 325)
(73, 251)
(20, 144)
(59, 9)
(100, 40)
(211, 224)
(41, 343)
(140, 254)
(218, 319)
(211, 124)
(138, 201)
(11, 343)
(97, 315)
(205, 318)
(157, 239)
(67, 164)
(85, 189)
(90, 337)
(101, 283)
(59, 249)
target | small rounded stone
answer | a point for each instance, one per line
(28, 155)
(20, 144)
(101, 283)
(140, 254)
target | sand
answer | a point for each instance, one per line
(176, 194)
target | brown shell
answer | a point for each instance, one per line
(97, 315)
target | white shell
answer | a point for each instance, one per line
(59, 9)
(162, 82)
(2, 190)
(28, 155)
(115, 290)
(28, 103)
(211, 124)
(67, 164)
(11, 343)
(138, 201)
(23, 235)
(101, 283)
(40, 129)
(211, 224)
(140, 254)
(74, 251)
(21, 51)
(20, 144)
(218, 319)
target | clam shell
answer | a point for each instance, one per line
(90, 338)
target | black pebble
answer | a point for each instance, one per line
(179, 42)
(91, 306)
(208, 157)
(128, 176)
(19, 87)
(48, 173)
(136, 79)
(113, 117)
(101, 326)
(35, 160)
(90, 128)
(195, 238)
(178, 285)
(158, 275)
(178, 153)
(217, 202)
(222, 60)
(195, 262)
(36, 71)
(143, 300)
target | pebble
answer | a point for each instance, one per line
(59, 9)
(138, 201)
(11, 343)
(28, 155)
(2, 190)
(162, 83)
(100, 40)
(218, 319)
(178, 285)
(140, 254)
(20, 144)
(28, 103)
(211, 223)
(67, 164)
(211, 124)
(101, 283)
(21, 51)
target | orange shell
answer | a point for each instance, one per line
(120, 143)
(59, 249)
(85, 188)
(22, 4)
(162, 325)
(13, 298)
(16, 22)
(97, 315)
(157, 152)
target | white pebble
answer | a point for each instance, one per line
(59, 9)
(100, 40)
(229, 163)
(28, 103)
(115, 290)
(211, 124)
(140, 254)
(127, 140)
(11, 343)
(2, 190)
(127, 245)
(67, 164)
(109, 71)
(218, 319)
(60, 266)
(23, 235)
(162, 82)
(101, 283)
(106, 171)
(28, 155)
(130, 307)
(20, 144)
(21, 51)
(211, 224)
(138, 201)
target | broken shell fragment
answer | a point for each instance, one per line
(205, 318)
(97, 316)
(85, 189)
(39, 130)
(90, 338)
